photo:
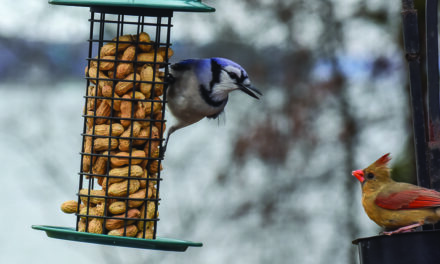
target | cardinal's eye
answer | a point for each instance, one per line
(370, 176)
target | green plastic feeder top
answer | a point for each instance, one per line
(174, 5)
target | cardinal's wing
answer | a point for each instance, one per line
(408, 198)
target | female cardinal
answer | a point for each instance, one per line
(396, 206)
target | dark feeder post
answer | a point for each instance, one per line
(127, 65)
(420, 247)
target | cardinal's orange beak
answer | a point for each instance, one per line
(359, 174)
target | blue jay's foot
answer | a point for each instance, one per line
(162, 151)
(164, 148)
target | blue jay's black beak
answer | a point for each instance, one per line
(250, 90)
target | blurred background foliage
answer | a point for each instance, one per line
(270, 182)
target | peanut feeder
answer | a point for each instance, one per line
(124, 109)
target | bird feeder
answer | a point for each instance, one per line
(420, 246)
(124, 108)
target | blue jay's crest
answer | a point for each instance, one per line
(226, 63)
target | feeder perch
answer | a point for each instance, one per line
(120, 171)
(422, 246)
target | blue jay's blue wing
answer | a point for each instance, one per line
(200, 67)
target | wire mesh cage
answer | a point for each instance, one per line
(123, 123)
(124, 109)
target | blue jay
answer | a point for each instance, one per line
(199, 88)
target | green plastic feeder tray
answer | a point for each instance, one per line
(160, 243)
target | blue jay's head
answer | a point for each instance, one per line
(228, 76)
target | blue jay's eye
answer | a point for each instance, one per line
(233, 75)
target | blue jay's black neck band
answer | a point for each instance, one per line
(206, 95)
(205, 92)
(215, 70)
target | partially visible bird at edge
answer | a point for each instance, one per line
(200, 87)
(396, 206)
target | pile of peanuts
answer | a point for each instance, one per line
(124, 128)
